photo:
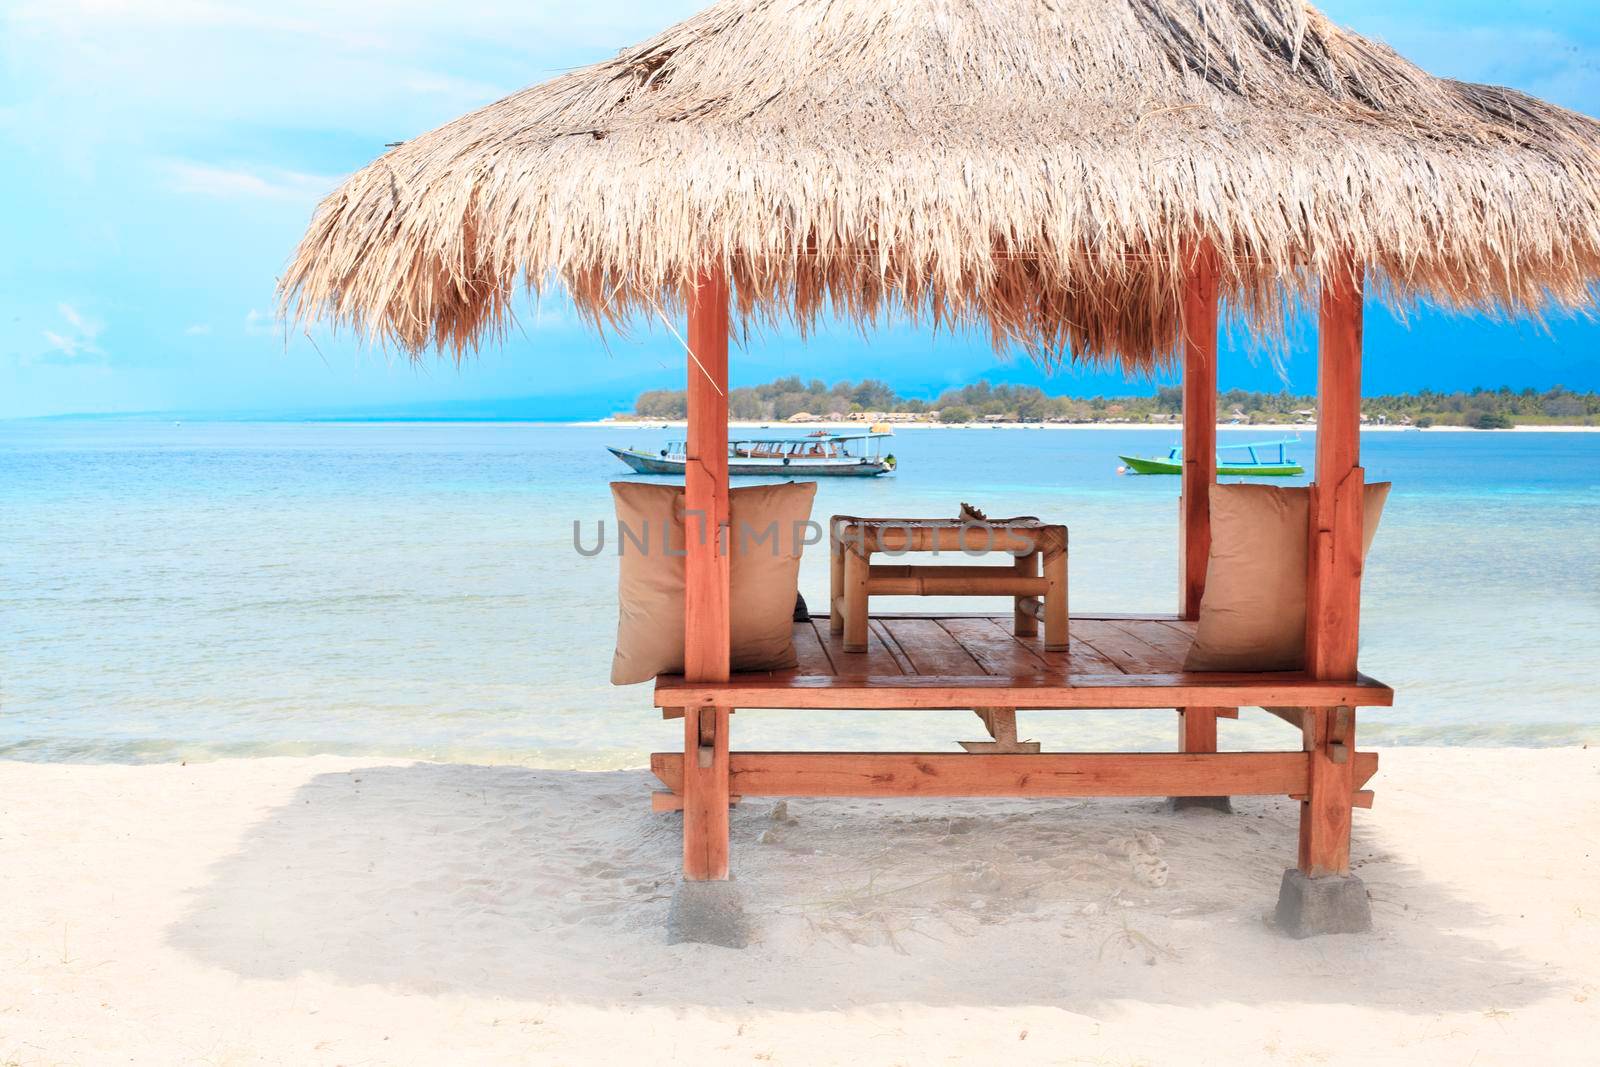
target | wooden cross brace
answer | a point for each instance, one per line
(1002, 726)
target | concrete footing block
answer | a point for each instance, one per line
(1309, 907)
(1217, 804)
(707, 913)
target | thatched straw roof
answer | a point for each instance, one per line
(1038, 167)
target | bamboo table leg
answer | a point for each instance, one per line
(1055, 598)
(835, 583)
(856, 570)
(1025, 622)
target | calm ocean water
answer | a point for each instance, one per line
(209, 589)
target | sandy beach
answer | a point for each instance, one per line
(341, 911)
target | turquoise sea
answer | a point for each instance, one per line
(206, 589)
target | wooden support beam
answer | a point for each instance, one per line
(1001, 575)
(706, 595)
(928, 584)
(1333, 574)
(1361, 798)
(1197, 729)
(1293, 716)
(1002, 726)
(668, 768)
(1200, 315)
(982, 690)
(916, 774)
(665, 800)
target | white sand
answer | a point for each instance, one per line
(337, 911)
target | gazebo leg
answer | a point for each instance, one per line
(706, 907)
(705, 794)
(1197, 732)
(1197, 727)
(1320, 895)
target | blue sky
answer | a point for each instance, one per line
(162, 156)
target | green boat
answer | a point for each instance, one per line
(1261, 462)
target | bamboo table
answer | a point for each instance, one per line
(1032, 544)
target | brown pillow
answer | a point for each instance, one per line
(1253, 613)
(768, 523)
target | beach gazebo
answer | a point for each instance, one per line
(1086, 180)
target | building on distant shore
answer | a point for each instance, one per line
(885, 416)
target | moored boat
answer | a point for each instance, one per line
(1259, 460)
(821, 454)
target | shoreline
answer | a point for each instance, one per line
(341, 910)
(1172, 427)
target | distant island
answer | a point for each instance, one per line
(792, 400)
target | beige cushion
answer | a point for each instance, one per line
(768, 524)
(1253, 613)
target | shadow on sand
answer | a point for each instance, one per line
(554, 885)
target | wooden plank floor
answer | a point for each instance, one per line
(948, 645)
(965, 660)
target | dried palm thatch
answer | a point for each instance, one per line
(1044, 168)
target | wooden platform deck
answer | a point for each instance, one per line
(974, 660)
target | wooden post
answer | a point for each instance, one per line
(1197, 727)
(706, 594)
(1333, 581)
(1333, 574)
(1200, 313)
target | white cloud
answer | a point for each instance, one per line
(261, 324)
(77, 321)
(199, 329)
(77, 339)
(70, 347)
(203, 179)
